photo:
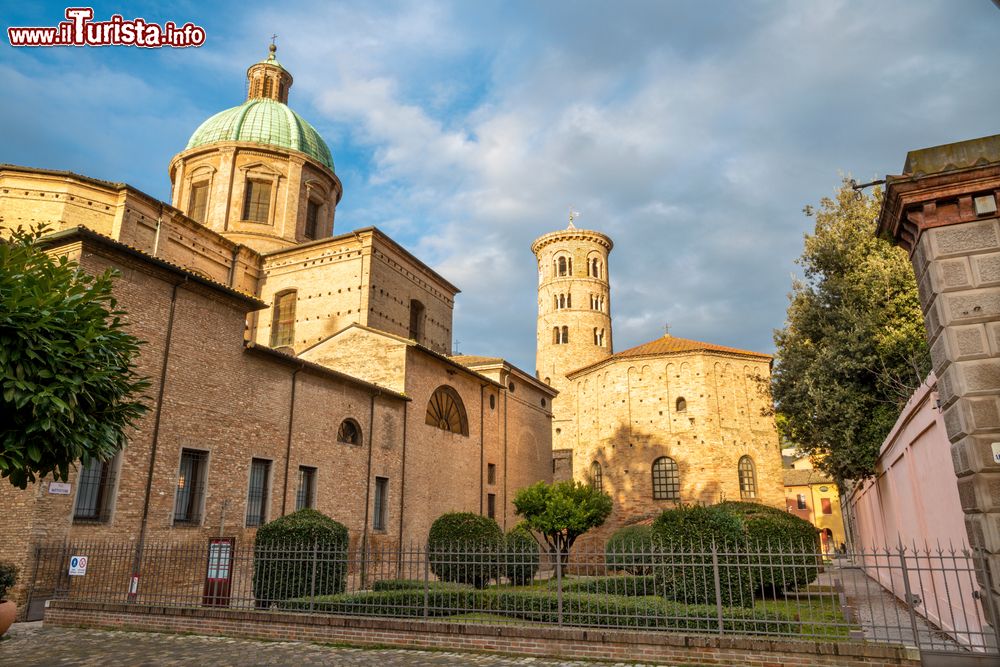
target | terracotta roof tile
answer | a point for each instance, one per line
(673, 345)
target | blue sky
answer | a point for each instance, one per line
(693, 133)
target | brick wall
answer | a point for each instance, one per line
(564, 643)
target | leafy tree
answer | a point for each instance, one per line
(562, 511)
(68, 382)
(853, 348)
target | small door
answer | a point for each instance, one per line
(219, 572)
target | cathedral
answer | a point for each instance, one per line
(293, 366)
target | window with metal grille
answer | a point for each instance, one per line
(283, 319)
(491, 505)
(446, 411)
(257, 495)
(198, 202)
(748, 478)
(94, 489)
(491, 473)
(349, 432)
(305, 497)
(596, 476)
(381, 499)
(666, 479)
(800, 501)
(191, 481)
(256, 201)
(312, 219)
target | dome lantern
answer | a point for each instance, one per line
(267, 79)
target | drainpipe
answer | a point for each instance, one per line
(156, 430)
(505, 393)
(156, 237)
(402, 495)
(232, 266)
(482, 447)
(288, 439)
(368, 485)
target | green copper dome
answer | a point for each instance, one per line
(263, 121)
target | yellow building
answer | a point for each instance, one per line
(812, 495)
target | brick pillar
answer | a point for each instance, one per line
(943, 210)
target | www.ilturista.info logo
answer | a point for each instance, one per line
(81, 30)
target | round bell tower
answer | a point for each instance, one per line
(574, 302)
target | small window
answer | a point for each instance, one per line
(416, 320)
(256, 201)
(510, 387)
(491, 505)
(94, 488)
(565, 335)
(283, 319)
(191, 479)
(446, 411)
(305, 497)
(268, 86)
(800, 501)
(312, 219)
(596, 476)
(682, 405)
(827, 505)
(493, 402)
(491, 473)
(569, 300)
(748, 478)
(198, 203)
(555, 335)
(381, 500)
(666, 479)
(562, 266)
(257, 494)
(349, 432)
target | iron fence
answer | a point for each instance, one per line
(776, 592)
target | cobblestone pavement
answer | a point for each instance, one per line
(31, 645)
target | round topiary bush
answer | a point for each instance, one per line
(298, 555)
(685, 571)
(784, 548)
(521, 555)
(464, 547)
(630, 549)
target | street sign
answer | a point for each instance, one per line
(77, 566)
(59, 488)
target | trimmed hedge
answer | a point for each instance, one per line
(792, 541)
(300, 553)
(541, 606)
(630, 549)
(416, 584)
(620, 585)
(521, 556)
(684, 569)
(465, 548)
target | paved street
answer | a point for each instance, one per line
(31, 645)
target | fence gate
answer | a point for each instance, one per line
(49, 579)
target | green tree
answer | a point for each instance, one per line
(68, 382)
(562, 511)
(853, 348)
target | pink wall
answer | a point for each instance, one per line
(913, 501)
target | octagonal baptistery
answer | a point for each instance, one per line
(258, 173)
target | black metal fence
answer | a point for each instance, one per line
(768, 592)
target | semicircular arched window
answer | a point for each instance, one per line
(748, 478)
(349, 432)
(666, 479)
(681, 405)
(446, 411)
(596, 476)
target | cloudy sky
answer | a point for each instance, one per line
(693, 133)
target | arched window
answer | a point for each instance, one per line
(268, 84)
(681, 405)
(416, 320)
(666, 479)
(349, 432)
(596, 476)
(446, 411)
(748, 478)
(555, 335)
(283, 319)
(562, 300)
(556, 297)
(565, 335)
(562, 266)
